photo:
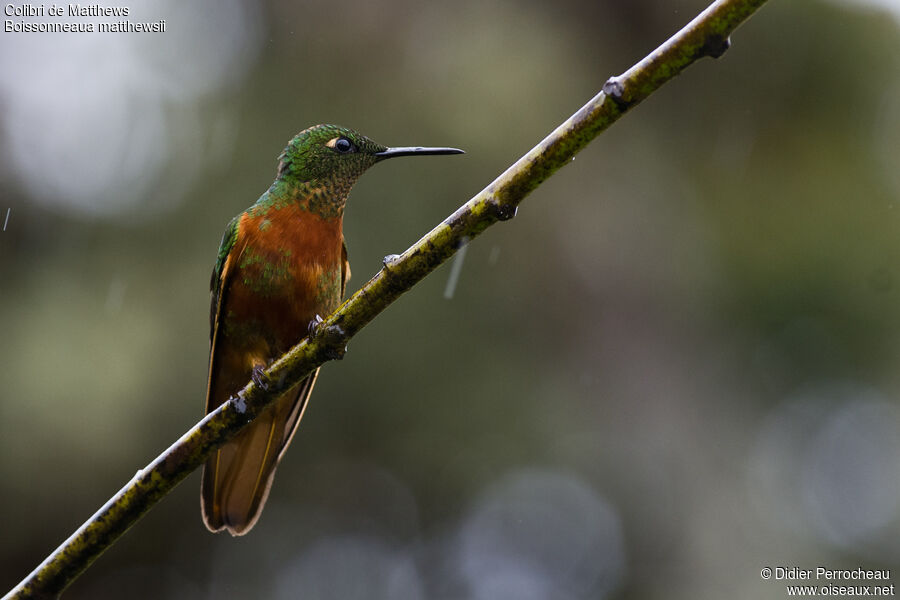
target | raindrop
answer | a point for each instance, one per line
(455, 270)
(494, 255)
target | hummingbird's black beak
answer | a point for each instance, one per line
(415, 151)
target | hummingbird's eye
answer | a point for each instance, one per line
(343, 145)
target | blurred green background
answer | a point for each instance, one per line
(676, 366)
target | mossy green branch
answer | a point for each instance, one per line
(706, 35)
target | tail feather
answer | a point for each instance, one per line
(238, 477)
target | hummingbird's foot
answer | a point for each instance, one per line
(259, 377)
(332, 337)
(313, 327)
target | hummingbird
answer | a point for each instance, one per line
(281, 264)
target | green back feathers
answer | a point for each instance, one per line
(215, 283)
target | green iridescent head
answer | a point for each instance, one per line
(334, 155)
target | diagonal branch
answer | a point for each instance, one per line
(707, 35)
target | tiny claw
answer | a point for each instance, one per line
(259, 377)
(314, 325)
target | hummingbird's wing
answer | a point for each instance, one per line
(345, 268)
(218, 276)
